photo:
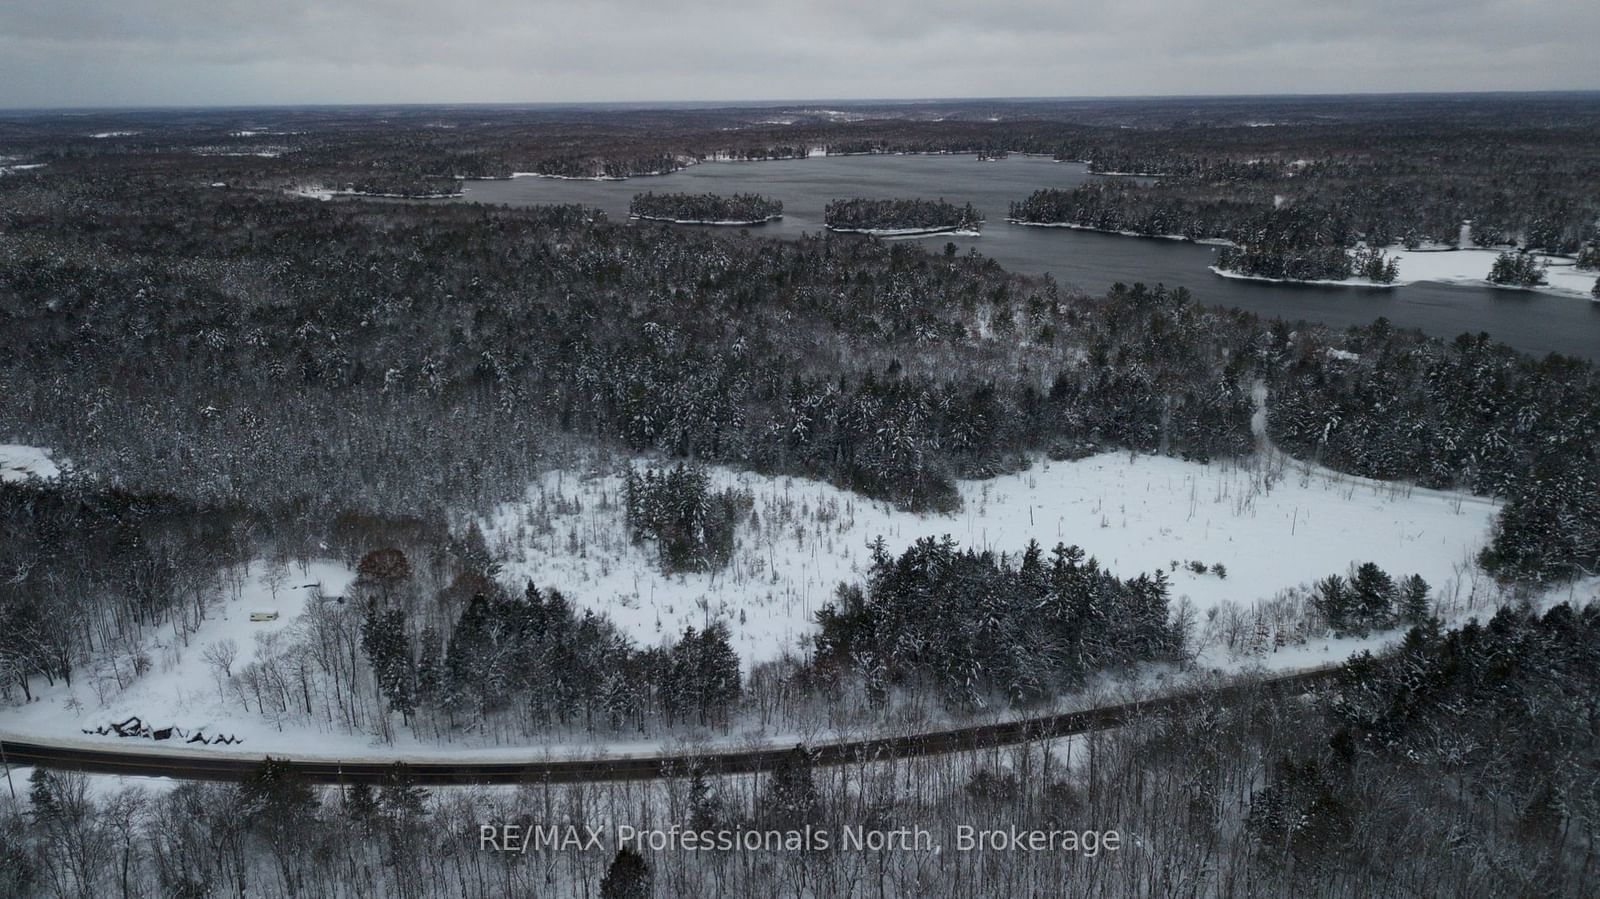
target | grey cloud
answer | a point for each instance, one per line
(78, 52)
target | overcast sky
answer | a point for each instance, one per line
(135, 52)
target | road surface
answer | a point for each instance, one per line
(199, 766)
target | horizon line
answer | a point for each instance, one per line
(785, 101)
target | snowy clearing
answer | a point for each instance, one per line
(1273, 523)
(19, 462)
(1272, 526)
(1471, 266)
(1464, 266)
(178, 687)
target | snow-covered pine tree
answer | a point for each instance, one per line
(627, 878)
(1373, 596)
(1414, 606)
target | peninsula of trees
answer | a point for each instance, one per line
(900, 216)
(1289, 262)
(705, 209)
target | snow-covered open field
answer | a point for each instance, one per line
(1469, 265)
(1271, 530)
(179, 688)
(1272, 522)
(19, 462)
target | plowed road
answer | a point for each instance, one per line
(197, 766)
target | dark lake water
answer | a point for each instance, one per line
(1534, 322)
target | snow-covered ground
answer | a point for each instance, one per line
(1464, 266)
(1272, 525)
(179, 687)
(1471, 266)
(19, 462)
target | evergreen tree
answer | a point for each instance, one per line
(388, 647)
(791, 793)
(1518, 269)
(1336, 602)
(284, 811)
(42, 794)
(1373, 596)
(276, 797)
(1414, 606)
(627, 878)
(400, 796)
(361, 806)
(705, 806)
(430, 668)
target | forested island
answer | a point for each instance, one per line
(897, 217)
(705, 209)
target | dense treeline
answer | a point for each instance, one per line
(534, 656)
(1288, 262)
(973, 626)
(705, 208)
(1335, 793)
(1371, 600)
(1119, 205)
(606, 166)
(852, 361)
(1327, 204)
(900, 215)
(1467, 414)
(684, 343)
(1296, 264)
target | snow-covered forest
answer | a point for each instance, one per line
(705, 209)
(900, 216)
(357, 478)
(1339, 795)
